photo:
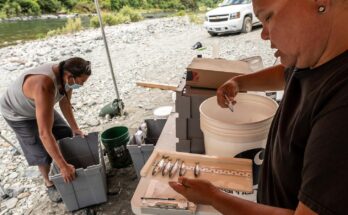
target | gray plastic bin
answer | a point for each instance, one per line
(89, 187)
(141, 153)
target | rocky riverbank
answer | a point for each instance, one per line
(153, 50)
(42, 17)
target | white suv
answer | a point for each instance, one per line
(231, 16)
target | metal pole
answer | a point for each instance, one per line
(106, 46)
(7, 141)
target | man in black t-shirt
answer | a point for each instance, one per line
(306, 155)
(306, 159)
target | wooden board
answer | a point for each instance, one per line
(157, 86)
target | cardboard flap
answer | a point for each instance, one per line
(219, 65)
(212, 73)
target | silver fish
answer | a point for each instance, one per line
(182, 169)
(167, 168)
(159, 166)
(174, 168)
(197, 170)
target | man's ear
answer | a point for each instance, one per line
(323, 3)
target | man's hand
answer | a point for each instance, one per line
(195, 190)
(68, 173)
(78, 132)
(229, 89)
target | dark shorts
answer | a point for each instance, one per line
(28, 136)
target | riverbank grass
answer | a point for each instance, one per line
(72, 26)
(125, 15)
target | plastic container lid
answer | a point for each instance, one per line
(162, 112)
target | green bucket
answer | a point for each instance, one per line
(115, 140)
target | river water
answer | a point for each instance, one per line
(14, 32)
(19, 31)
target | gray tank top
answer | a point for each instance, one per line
(15, 106)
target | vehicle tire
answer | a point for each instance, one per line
(247, 25)
(212, 34)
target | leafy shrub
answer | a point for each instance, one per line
(2, 3)
(196, 19)
(105, 5)
(117, 5)
(133, 15)
(3, 14)
(209, 3)
(126, 15)
(136, 3)
(69, 4)
(181, 13)
(120, 19)
(12, 9)
(189, 4)
(72, 26)
(29, 7)
(172, 4)
(49, 6)
(109, 19)
(94, 22)
(84, 7)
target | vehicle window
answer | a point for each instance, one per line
(234, 2)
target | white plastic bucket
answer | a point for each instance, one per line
(242, 133)
(229, 133)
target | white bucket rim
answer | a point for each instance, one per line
(241, 124)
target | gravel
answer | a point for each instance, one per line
(157, 50)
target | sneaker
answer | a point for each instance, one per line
(53, 194)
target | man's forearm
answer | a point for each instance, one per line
(229, 205)
(68, 114)
(271, 78)
(52, 149)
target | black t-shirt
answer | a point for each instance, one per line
(306, 157)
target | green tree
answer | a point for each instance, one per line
(49, 6)
(2, 3)
(84, 6)
(209, 3)
(136, 3)
(117, 5)
(29, 7)
(190, 4)
(69, 4)
(12, 9)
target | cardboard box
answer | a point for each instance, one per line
(212, 73)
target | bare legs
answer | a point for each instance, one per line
(45, 169)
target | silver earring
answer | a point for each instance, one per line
(321, 9)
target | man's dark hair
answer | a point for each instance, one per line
(77, 67)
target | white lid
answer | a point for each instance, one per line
(163, 111)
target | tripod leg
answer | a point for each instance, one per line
(18, 152)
